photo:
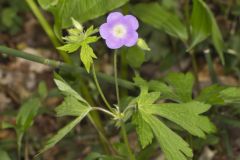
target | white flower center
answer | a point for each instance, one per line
(119, 31)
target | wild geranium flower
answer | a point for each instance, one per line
(120, 30)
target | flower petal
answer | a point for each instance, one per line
(104, 31)
(131, 39)
(114, 16)
(114, 43)
(132, 21)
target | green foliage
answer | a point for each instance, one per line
(76, 39)
(4, 155)
(231, 95)
(81, 10)
(68, 91)
(99, 156)
(187, 115)
(64, 131)
(201, 22)
(27, 113)
(143, 129)
(160, 18)
(10, 21)
(42, 89)
(178, 87)
(47, 4)
(87, 56)
(210, 95)
(73, 105)
(173, 146)
(218, 95)
(203, 25)
(135, 56)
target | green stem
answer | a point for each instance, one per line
(116, 77)
(104, 111)
(211, 68)
(106, 144)
(99, 89)
(195, 69)
(125, 139)
(47, 28)
(189, 41)
(187, 19)
(66, 67)
(124, 72)
(19, 144)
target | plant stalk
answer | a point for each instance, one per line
(99, 89)
(211, 67)
(66, 67)
(47, 28)
(116, 77)
(125, 139)
(195, 69)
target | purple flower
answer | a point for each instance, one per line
(120, 30)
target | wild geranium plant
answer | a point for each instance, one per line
(144, 111)
(166, 115)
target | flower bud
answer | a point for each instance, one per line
(142, 44)
(77, 25)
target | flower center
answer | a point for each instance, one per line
(119, 31)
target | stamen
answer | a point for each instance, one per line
(119, 31)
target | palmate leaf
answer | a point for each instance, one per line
(143, 129)
(211, 95)
(231, 95)
(70, 47)
(178, 88)
(87, 55)
(187, 115)
(71, 107)
(173, 146)
(64, 131)
(68, 91)
(219, 95)
(160, 18)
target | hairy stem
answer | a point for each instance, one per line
(104, 111)
(116, 77)
(99, 89)
(66, 67)
(47, 28)
(125, 139)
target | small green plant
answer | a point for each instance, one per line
(25, 117)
